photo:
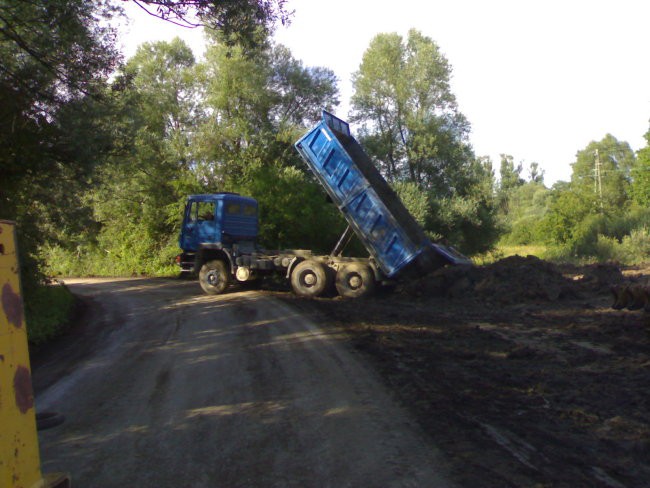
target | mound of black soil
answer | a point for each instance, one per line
(515, 279)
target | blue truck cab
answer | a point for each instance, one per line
(216, 221)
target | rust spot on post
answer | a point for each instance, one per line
(23, 389)
(12, 305)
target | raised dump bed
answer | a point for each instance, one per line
(372, 209)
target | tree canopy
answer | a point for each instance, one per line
(641, 175)
(413, 130)
(601, 173)
(410, 120)
(242, 22)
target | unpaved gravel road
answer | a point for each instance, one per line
(162, 386)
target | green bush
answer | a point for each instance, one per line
(606, 249)
(48, 309)
(585, 235)
(635, 248)
(632, 249)
(414, 199)
(468, 223)
(523, 232)
(112, 258)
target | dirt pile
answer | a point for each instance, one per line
(512, 280)
(519, 370)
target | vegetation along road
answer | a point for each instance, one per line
(163, 386)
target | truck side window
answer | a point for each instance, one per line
(249, 210)
(233, 209)
(206, 210)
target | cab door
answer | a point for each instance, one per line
(199, 225)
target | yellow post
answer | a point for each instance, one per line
(19, 457)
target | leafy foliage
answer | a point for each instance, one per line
(294, 212)
(410, 121)
(603, 169)
(413, 130)
(245, 23)
(47, 310)
(527, 205)
(258, 106)
(227, 124)
(54, 59)
(641, 176)
(138, 188)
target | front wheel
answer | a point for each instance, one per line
(214, 277)
(355, 280)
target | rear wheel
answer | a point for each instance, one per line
(214, 277)
(310, 279)
(355, 280)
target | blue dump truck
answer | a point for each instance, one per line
(219, 231)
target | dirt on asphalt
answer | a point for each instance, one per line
(164, 386)
(520, 372)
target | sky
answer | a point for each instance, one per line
(537, 80)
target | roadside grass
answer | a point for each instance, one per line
(504, 251)
(632, 250)
(48, 311)
(49, 307)
(61, 263)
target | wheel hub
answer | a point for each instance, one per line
(355, 281)
(310, 279)
(212, 278)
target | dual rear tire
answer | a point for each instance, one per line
(355, 280)
(312, 279)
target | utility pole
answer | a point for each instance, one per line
(598, 184)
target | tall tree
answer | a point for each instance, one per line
(641, 175)
(509, 174)
(602, 170)
(137, 200)
(535, 173)
(596, 198)
(509, 180)
(55, 56)
(410, 121)
(412, 129)
(259, 104)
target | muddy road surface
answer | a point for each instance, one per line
(520, 370)
(162, 386)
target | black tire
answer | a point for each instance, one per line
(310, 279)
(214, 277)
(355, 280)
